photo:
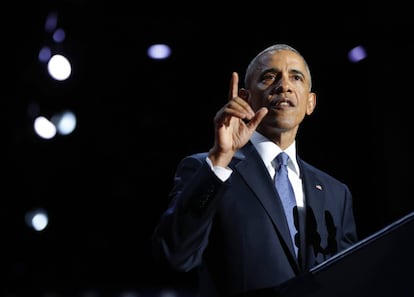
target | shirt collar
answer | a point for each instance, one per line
(268, 150)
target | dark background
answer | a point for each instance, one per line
(105, 185)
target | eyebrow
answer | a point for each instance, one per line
(294, 71)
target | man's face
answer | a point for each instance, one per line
(281, 83)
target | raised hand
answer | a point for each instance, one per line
(234, 124)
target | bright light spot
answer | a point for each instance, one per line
(357, 54)
(44, 54)
(59, 67)
(59, 35)
(65, 122)
(51, 22)
(37, 219)
(44, 128)
(159, 51)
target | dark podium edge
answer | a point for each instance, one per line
(380, 265)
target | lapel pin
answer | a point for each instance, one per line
(319, 187)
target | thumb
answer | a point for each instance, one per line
(257, 118)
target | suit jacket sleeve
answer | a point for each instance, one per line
(182, 233)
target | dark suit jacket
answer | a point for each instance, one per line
(235, 233)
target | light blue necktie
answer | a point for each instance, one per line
(287, 196)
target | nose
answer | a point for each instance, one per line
(283, 85)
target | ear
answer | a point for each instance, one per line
(244, 94)
(311, 103)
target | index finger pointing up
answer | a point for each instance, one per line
(234, 85)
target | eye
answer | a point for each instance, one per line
(298, 77)
(269, 77)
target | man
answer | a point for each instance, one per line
(226, 216)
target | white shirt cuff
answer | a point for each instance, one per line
(221, 172)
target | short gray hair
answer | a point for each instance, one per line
(271, 49)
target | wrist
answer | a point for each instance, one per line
(219, 158)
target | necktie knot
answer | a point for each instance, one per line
(282, 158)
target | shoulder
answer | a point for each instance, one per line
(196, 157)
(193, 160)
(203, 155)
(308, 168)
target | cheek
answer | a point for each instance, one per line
(259, 103)
(257, 99)
(255, 105)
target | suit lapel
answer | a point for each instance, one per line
(315, 198)
(255, 174)
(314, 188)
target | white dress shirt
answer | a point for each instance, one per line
(268, 151)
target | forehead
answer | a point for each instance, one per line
(282, 60)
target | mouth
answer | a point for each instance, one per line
(281, 103)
